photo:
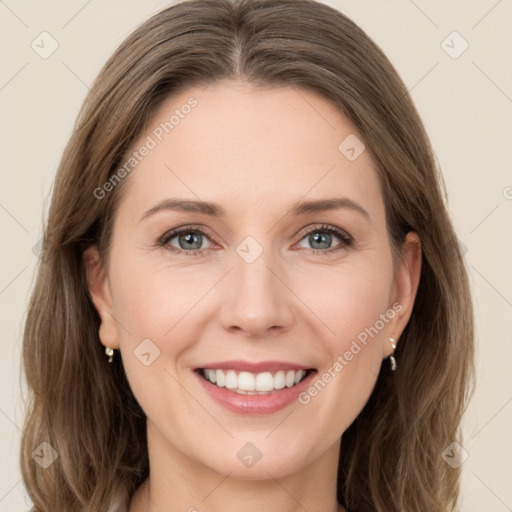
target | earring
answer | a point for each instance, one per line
(110, 352)
(391, 358)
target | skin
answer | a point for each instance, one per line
(254, 152)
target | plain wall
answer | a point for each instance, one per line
(465, 103)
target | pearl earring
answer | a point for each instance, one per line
(391, 357)
(110, 352)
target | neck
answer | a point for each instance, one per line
(193, 487)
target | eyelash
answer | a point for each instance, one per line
(346, 239)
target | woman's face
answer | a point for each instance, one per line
(257, 287)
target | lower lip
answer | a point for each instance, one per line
(255, 404)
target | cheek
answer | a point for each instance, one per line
(154, 308)
(347, 301)
(152, 302)
(352, 305)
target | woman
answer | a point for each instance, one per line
(245, 371)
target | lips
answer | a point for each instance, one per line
(254, 388)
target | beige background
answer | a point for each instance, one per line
(466, 105)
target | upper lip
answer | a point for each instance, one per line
(254, 367)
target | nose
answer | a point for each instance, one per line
(258, 300)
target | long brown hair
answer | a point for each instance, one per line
(83, 407)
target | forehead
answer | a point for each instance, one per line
(239, 145)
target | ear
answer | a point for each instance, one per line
(99, 289)
(405, 287)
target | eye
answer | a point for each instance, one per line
(321, 237)
(188, 240)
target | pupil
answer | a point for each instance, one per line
(189, 239)
(325, 237)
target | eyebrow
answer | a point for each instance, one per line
(215, 210)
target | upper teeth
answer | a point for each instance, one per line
(252, 383)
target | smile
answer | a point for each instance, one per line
(249, 383)
(250, 388)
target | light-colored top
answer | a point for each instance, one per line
(119, 505)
